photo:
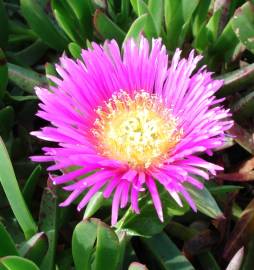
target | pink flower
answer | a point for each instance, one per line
(132, 119)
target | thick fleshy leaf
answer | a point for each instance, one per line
(221, 190)
(107, 248)
(200, 16)
(161, 250)
(22, 98)
(136, 28)
(48, 223)
(17, 263)
(244, 107)
(24, 78)
(125, 8)
(104, 255)
(178, 15)
(7, 246)
(204, 201)
(29, 55)
(67, 19)
(42, 25)
(150, 25)
(236, 80)
(13, 194)
(224, 47)
(95, 204)
(83, 240)
(50, 70)
(35, 248)
(243, 25)
(106, 28)
(74, 49)
(208, 33)
(82, 10)
(156, 10)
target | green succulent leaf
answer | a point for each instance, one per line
(83, 239)
(150, 26)
(7, 246)
(162, 251)
(48, 223)
(221, 190)
(156, 9)
(95, 204)
(107, 248)
(200, 16)
(136, 28)
(30, 55)
(105, 253)
(25, 78)
(35, 248)
(75, 50)
(224, 47)
(67, 19)
(42, 25)
(204, 201)
(106, 28)
(9, 183)
(178, 15)
(82, 10)
(243, 25)
(208, 33)
(236, 80)
(17, 263)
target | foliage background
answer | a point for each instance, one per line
(34, 232)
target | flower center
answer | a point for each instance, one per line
(138, 130)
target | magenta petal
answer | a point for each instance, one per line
(155, 196)
(110, 187)
(90, 194)
(188, 198)
(71, 197)
(69, 176)
(134, 200)
(125, 194)
(115, 204)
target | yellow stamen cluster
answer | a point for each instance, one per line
(136, 129)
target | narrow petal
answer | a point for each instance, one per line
(90, 194)
(155, 196)
(115, 204)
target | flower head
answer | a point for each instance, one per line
(133, 120)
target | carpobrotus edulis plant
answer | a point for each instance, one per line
(133, 120)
